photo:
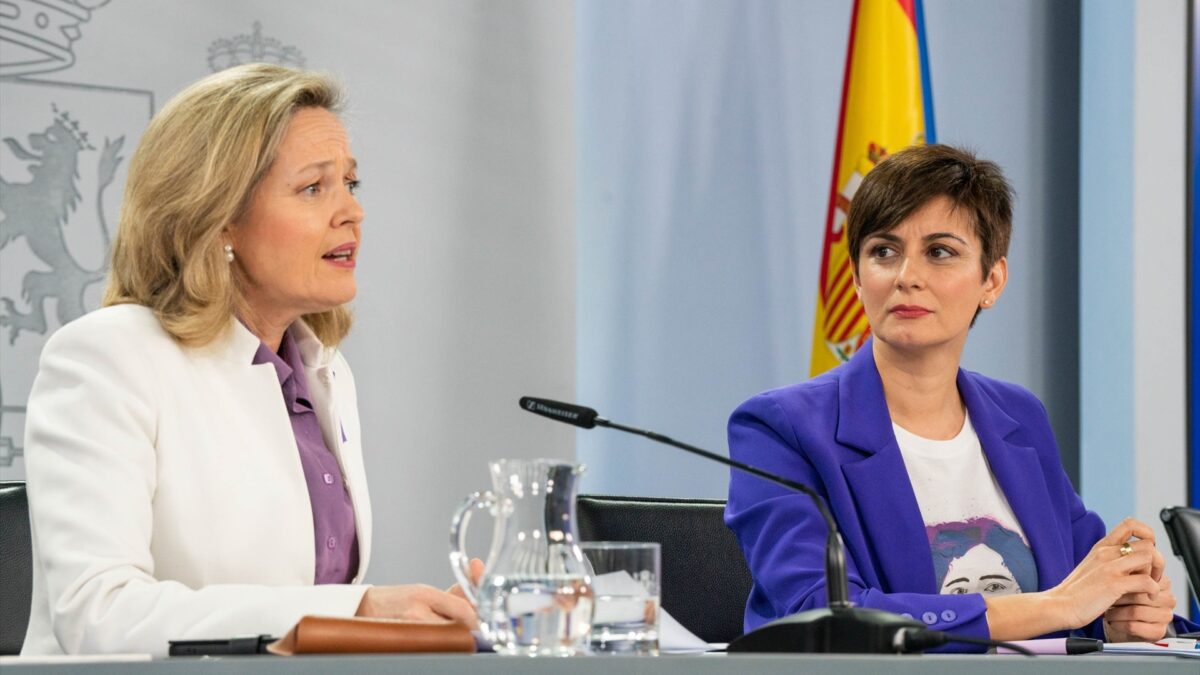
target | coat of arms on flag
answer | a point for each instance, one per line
(886, 106)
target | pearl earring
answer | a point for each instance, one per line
(229, 253)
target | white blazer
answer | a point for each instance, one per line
(165, 489)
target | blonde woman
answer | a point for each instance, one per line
(193, 455)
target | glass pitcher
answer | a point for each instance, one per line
(535, 596)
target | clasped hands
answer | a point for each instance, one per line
(1122, 579)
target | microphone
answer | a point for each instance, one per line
(839, 628)
(563, 412)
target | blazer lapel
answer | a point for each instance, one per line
(1018, 473)
(322, 389)
(316, 358)
(234, 360)
(889, 516)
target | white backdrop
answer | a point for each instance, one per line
(461, 117)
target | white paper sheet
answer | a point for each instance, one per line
(61, 659)
(672, 636)
(1165, 647)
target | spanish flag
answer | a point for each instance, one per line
(886, 105)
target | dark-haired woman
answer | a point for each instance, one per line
(947, 485)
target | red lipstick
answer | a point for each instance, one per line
(910, 311)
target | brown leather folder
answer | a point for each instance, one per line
(341, 635)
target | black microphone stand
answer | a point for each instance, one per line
(840, 627)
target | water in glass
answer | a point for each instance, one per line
(535, 597)
(540, 615)
(625, 624)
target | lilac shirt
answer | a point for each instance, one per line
(333, 512)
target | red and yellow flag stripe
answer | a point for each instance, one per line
(883, 110)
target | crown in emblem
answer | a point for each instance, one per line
(38, 34)
(876, 153)
(253, 48)
(72, 126)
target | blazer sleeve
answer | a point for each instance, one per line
(91, 467)
(783, 535)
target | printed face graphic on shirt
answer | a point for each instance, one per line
(979, 570)
(980, 555)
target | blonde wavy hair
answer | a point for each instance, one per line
(192, 175)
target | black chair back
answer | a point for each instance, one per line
(1183, 529)
(16, 566)
(705, 580)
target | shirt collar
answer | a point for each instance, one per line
(283, 365)
(243, 345)
(313, 353)
(289, 368)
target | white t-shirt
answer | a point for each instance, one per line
(976, 542)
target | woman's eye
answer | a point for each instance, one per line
(353, 186)
(882, 251)
(958, 590)
(994, 587)
(312, 189)
(940, 252)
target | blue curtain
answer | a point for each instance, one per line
(699, 216)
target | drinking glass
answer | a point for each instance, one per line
(625, 587)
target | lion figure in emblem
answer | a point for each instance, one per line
(39, 210)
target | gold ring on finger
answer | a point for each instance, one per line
(1126, 549)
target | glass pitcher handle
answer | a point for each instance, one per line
(460, 562)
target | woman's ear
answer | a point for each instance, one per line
(993, 284)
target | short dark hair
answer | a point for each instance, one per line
(904, 182)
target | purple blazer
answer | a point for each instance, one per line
(833, 433)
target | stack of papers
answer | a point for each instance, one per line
(1164, 647)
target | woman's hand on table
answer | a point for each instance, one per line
(416, 602)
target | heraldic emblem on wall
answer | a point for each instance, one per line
(253, 48)
(62, 149)
(63, 144)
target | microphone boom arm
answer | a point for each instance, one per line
(837, 584)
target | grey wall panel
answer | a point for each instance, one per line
(461, 117)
